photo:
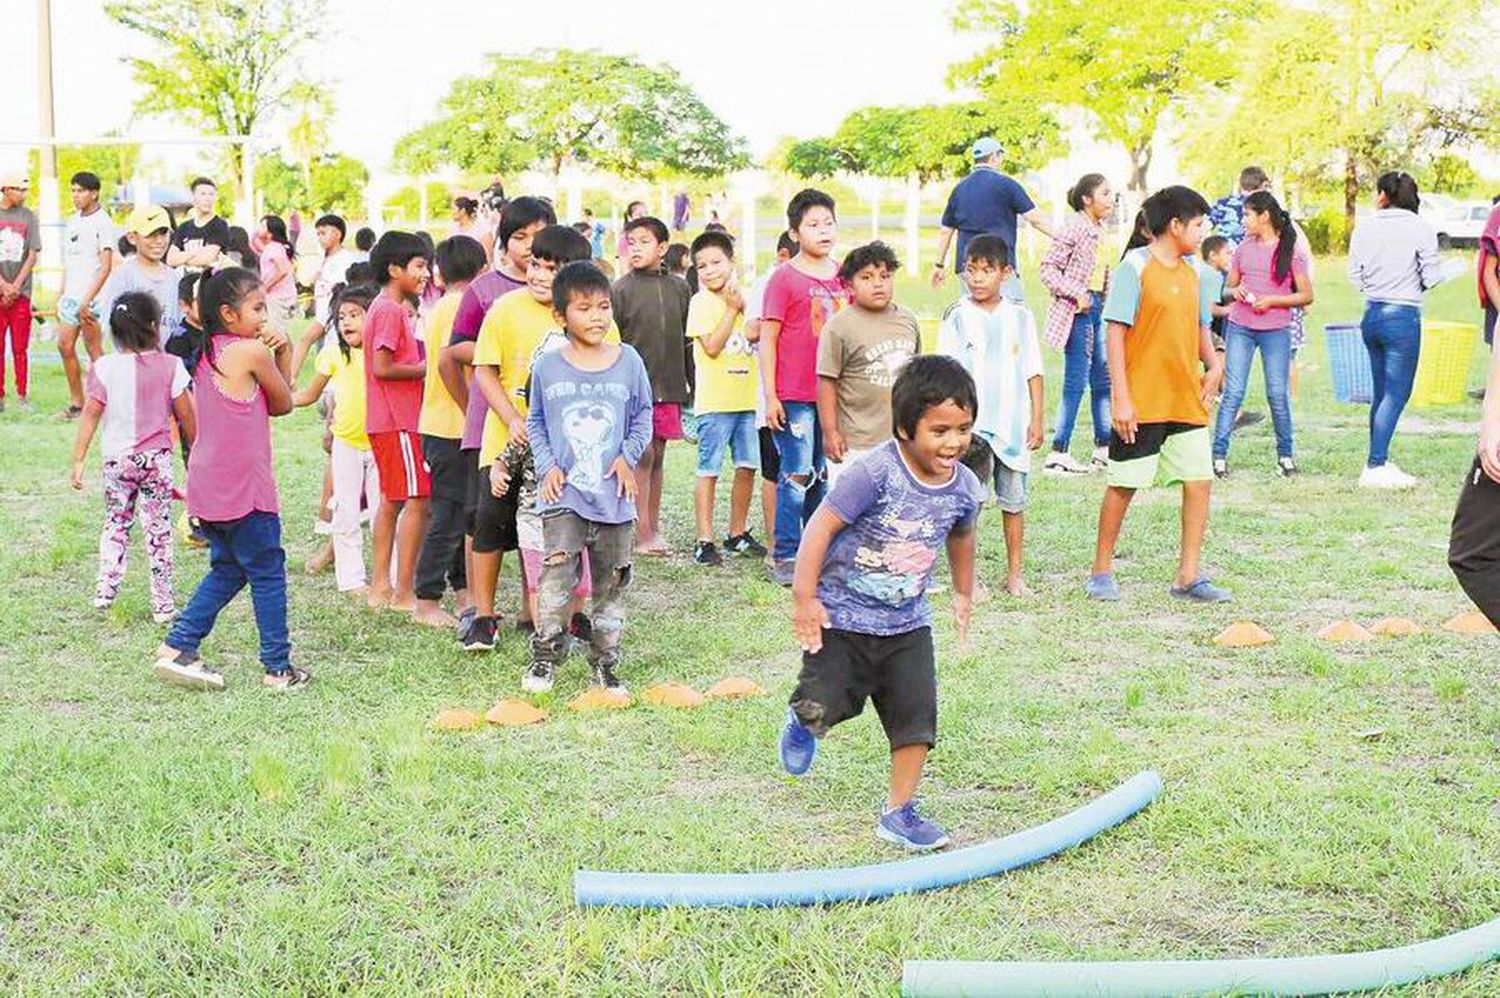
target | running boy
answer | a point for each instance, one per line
(803, 294)
(589, 424)
(727, 386)
(651, 308)
(860, 353)
(860, 605)
(393, 407)
(1159, 348)
(89, 240)
(995, 339)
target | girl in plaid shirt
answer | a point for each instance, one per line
(1077, 277)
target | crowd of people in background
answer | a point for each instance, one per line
(515, 387)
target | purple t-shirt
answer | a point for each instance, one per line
(477, 299)
(876, 573)
(580, 421)
(1256, 262)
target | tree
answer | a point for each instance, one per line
(557, 106)
(1124, 68)
(308, 135)
(337, 184)
(112, 164)
(221, 65)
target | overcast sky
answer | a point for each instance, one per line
(768, 67)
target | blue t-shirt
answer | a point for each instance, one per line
(580, 421)
(876, 574)
(986, 201)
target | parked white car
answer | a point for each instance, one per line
(1462, 224)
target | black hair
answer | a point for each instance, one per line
(928, 380)
(460, 258)
(657, 226)
(716, 227)
(1253, 178)
(582, 228)
(187, 288)
(559, 244)
(466, 204)
(333, 222)
(631, 207)
(1212, 245)
(871, 254)
(1400, 190)
(989, 248)
(395, 249)
(360, 273)
(199, 182)
(225, 289)
(364, 239)
(786, 241)
(803, 200)
(677, 259)
(1140, 233)
(239, 242)
(1265, 203)
(580, 277)
(721, 240)
(88, 181)
(1175, 203)
(134, 322)
(355, 294)
(521, 212)
(276, 226)
(1085, 188)
(427, 241)
(125, 246)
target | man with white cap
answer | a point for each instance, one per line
(20, 242)
(986, 201)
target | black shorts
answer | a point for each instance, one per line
(471, 489)
(770, 458)
(495, 519)
(898, 672)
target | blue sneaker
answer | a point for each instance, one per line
(1103, 587)
(1202, 591)
(909, 830)
(798, 745)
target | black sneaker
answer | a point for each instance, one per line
(526, 627)
(538, 678)
(745, 546)
(1286, 467)
(706, 553)
(605, 676)
(1221, 468)
(480, 635)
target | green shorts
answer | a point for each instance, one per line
(1162, 454)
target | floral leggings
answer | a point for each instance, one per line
(144, 479)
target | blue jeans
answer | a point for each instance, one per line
(1085, 365)
(240, 551)
(1393, 335)
(800, 446)
(1275, 362)
(727, 431)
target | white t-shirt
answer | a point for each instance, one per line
(332, 273)
(87, 236)
(755, 306)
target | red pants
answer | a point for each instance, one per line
(16, 317)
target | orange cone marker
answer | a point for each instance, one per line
(1244, 634)
(1344, 631)
(513, 713)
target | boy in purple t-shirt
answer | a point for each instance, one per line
(589, 423)
(802, 295)
(860, 604)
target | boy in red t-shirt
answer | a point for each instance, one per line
(394, 373)
(802, 295)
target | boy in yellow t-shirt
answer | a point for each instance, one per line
(459, 260)
(727, 386)
(514, 327)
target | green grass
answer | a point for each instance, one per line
(157, 842)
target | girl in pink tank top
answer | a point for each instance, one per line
(243, 378)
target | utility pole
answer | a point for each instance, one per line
(47, 189)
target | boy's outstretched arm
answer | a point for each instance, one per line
(809, 617)
(963, 545)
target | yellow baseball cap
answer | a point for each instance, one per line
(149, 219)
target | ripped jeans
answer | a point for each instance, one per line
(800, 446)
(565, 536)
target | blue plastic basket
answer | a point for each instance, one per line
(1349, 363)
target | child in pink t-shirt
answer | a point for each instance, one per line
(277, 275)
(134, 393)
(802, 295)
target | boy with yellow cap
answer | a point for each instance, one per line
(150, 232)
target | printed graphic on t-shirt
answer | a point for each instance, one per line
(894, 571)
(12, 242)
(821, 306)
(588, 425)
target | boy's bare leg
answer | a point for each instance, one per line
(67, 347)
(643, 478)
(1111, 518)
(383, 536)
(653, 499)
(739, 501)
(1015, 533)
(703, 505)
(409, 536)
(906, 773)
(1195, 497)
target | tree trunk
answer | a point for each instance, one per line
(1351, 188)
(1140, 162)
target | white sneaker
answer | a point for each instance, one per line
(1387, 476)
(1101, 457)
(1063, 463)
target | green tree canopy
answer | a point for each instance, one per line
(337, 185)
(555, 106)
(1124, 68)
(112, 164)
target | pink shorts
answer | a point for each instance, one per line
(531, 564)
(666, 421)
